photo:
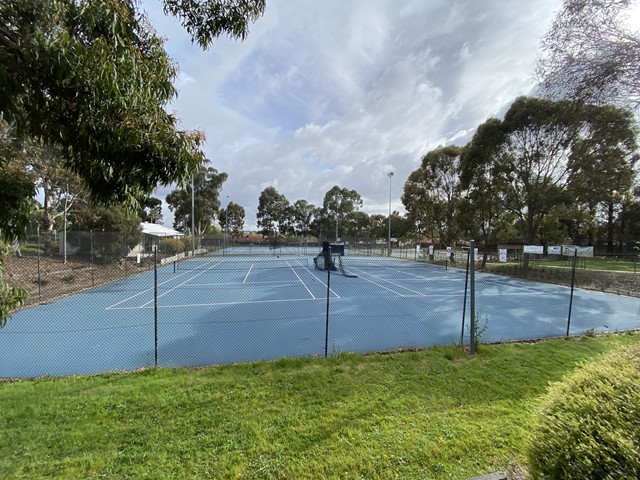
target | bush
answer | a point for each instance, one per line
(171, 246)
(588, 425)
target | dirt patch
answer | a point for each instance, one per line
(47, 278)
(620, 283)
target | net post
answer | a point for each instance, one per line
(472, 298)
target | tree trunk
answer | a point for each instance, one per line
(610, 227)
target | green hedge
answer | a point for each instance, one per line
(588, 425)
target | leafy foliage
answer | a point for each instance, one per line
(592, 54)
(588, 425)
(206, 192)
(339, 204)
(206, 20)
(273, 212)
(232, 219)
(11, 297)
(93, 77)
(16, 187)
(432, 193)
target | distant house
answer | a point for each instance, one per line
(152, 233)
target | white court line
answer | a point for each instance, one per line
(388, 281)
(143, 291)
(280, 283)
(381, 286)
(248, 302)
(322, 282)
(186, 281)
(247, 275)
(304, 284)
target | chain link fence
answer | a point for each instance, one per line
(102, 301)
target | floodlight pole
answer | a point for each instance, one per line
(226, 226)
(193, 220)
(390, 175)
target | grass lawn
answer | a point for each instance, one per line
(431, 414)
(609, 264)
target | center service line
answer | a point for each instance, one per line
(303, 284)
(181, 284)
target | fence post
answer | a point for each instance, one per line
(93, 272)
(573, 281)
(155, 304)
(464, 302)
(472, 298)
(326, 329)
(38, 249)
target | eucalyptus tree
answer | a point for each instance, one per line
(206, 199)
(93, 77)
(339, 203)
(603, 169)
(592, 53)
(527, 156)
(273, 212)
(303, 214)
(17, 187)
(231, 219)
(358, 224)
(432, 192)
(151, 210)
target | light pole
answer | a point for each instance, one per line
(390, 175)
(193, 220)
(338, 200)
(226, 223)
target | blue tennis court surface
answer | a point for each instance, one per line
(235, 309)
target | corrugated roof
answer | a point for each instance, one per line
(158, 230)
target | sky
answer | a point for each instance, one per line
(342, 92)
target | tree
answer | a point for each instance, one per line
(151, 210)
(358, 224)
(339, 203)
(399, 225)
(93, 77)
(378, 226)
(17, 188)
(231, 219)
(273, 209)
(432, 192)
(592, 54)
(206, 191)
(11, 297)
(482, 210)
(303, 214)
(602, 165)
(205, 21)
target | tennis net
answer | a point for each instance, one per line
(222, 263)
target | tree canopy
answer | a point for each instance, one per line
(592, 54)
(206, 192)
(273, 212)
(339, 203)
(93, 77)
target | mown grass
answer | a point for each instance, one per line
(430, 414)
(607, 264)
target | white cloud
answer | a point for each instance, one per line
(333, 92)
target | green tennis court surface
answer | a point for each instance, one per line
(240, 308)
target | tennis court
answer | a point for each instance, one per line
(233, 308)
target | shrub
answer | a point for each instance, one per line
(588, 425)
(171, 246)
